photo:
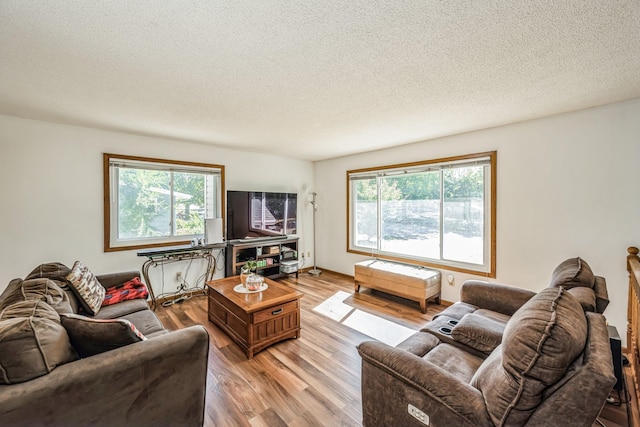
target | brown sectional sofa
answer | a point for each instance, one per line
(60, 365)
(523, 359)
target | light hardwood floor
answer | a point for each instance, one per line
(313, 380)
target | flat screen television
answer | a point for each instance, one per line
(260, 215)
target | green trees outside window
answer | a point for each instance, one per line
(153, 202)
(147, 198)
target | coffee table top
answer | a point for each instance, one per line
(250, 302)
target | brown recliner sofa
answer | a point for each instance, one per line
(476, 323)
(61, 366)
(553, 367)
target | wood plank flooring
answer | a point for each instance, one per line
(313, 380)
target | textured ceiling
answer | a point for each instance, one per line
(313, 79)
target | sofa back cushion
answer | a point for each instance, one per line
(585, 296)
(577, 399)
(32, 341)
(571, 273)
(37, 289)
(58, 273)
(541, 341)
(51, 270)
(9, 293)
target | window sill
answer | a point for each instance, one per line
(432, 264)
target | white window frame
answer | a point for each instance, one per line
(112, 163)
(487, 268)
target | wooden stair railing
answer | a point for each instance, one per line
(633, 316)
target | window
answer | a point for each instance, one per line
(438, 213)
(154, 202)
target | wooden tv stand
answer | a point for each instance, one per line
(270, 251)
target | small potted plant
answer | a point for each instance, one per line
(250, 266)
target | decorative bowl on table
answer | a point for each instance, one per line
(254, 282)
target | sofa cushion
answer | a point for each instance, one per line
(122, 309)
(571, 273)
(38, 289)
(585, 296)
(110, 280)
(455, 361)
(540, 342)
(88, 290)
(52, 270)
(29, 308)
(32, 342)
(93, 336)
(9, 291)
(58, 273)
(483, 333)
(145, 320)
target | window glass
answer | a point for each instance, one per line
(437, 212)
(153, 202)
(365, 211)
(464, 214)
(410, 214)
(189, 202)
(144, 208)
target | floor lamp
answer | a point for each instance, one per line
(314, 271)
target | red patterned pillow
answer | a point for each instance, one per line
(132, 289)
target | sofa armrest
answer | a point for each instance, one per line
(110, 280)
(393, 378)
(160, 381)
(494, 296)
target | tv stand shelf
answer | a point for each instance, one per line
(272, 252)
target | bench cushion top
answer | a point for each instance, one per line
(408, 270)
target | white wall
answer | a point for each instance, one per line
(51, 192)
(567, 187)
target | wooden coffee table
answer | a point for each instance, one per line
(254, 320)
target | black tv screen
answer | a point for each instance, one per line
(258, 214)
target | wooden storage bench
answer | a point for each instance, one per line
(413, 282)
